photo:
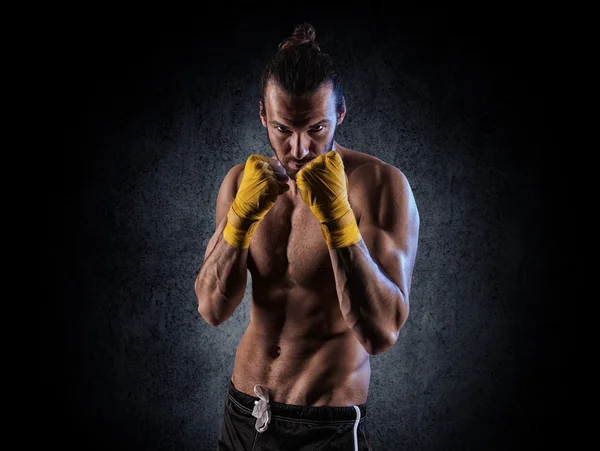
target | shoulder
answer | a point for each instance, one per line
(375, 184)
(379, 175)
(371, 173)
(364, 168)
(233, 177)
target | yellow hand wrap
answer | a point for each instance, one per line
(257, 194)
(323, 187)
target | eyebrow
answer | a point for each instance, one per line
(322, 121)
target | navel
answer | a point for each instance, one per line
(276, 351)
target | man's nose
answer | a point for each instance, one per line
(299, 147)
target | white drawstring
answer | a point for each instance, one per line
(355, 427)
(262, 413)
(261, 409)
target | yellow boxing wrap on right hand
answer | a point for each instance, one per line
(323, 185)
(257, 194)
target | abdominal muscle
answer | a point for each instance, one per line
(298, 345)
(303, 355)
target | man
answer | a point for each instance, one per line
(329, 236)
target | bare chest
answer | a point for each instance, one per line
(288, 248)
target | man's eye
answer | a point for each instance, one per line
(281, 129)
(318, 128)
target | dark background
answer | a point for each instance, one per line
(152, 109)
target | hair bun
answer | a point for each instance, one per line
(304, 31)
(303, 34)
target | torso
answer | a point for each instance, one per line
(298, 344)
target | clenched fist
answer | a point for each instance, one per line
(264, 179)
(323, 187)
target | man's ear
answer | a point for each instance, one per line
(262, 113)
(341, 112)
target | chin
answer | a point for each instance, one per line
(291, 173)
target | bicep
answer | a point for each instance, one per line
(227, 192)
(225, 198)
(390, 228)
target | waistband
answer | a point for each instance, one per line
(298, 412)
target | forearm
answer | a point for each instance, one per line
(372, 305)
(221, 282)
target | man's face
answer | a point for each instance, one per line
(300, 129)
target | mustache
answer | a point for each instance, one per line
(299, 162)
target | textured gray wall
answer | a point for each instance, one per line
(154, 120)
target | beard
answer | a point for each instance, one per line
(292, 172)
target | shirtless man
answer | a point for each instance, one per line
(329, 236)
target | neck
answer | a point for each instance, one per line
(293, 193)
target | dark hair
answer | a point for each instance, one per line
(300, 67)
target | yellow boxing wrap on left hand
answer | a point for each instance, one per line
(323, 187)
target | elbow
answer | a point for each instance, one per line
(380, 342)
(214, 309)
(401, 317)
(204, 309)
(388, 339)
(383, 344)
(209, 317)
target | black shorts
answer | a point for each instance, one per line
(289, 427)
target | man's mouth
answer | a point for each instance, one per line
(296, 165)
